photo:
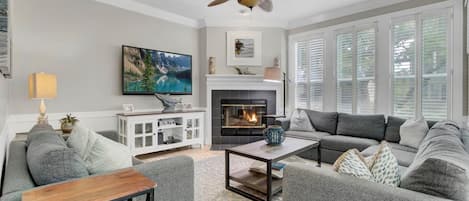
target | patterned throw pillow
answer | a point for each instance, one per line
(384, 167)
(300, 122)
(352, 163)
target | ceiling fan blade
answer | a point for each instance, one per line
(216, 2)
(266, 5)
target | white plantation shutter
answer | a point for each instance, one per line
(404, 68)
(366, 63)
(301, 90)
(309, 76)
(434, 67)
(316, 74)
(420, 64)
(356, 63)
(345, 72)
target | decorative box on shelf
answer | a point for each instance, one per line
(148, 132)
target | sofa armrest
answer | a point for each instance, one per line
(112, 135)
(306, 183)
(174, 178)
(283, 122)
(16, 176)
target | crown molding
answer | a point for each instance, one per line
(152, 12)
(176, 18)
(341, 12)
(242, 22)
(144, 9)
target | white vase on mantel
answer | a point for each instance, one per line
(212, 65)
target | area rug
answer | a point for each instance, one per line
(210, 178)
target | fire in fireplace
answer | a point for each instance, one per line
(243, 114)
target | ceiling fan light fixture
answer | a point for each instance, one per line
(249, 3)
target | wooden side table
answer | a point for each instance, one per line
(121, 185)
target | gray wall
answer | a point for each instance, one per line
(212, 43)
(274, 42)
(80, 41)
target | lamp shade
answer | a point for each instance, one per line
(42, 86)
(272, 74)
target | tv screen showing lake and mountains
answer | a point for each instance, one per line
(147, 72)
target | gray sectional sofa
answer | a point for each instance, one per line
(339, 132)
(170, 174)
(442, 144)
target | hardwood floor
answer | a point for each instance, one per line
(196, 153)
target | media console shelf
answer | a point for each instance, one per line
(148, 132)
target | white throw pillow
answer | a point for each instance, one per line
(299, 121)
(99, 153)
(413, 131)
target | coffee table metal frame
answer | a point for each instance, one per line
(269, 170)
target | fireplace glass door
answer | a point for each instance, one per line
(243, 113)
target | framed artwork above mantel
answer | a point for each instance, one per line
(244, 48)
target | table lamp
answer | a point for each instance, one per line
(42, 86)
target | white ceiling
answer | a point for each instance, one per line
(286, 13)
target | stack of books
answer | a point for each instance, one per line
(277, 169)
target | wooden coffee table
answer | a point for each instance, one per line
(121, 185)
(263, 184)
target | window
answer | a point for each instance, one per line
(309, 74)
(420, 65)
(356, 71)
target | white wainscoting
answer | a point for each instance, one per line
(102, 120)
(98, 120)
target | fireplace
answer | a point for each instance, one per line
(243, 114)
(236, 115)
(243, 117)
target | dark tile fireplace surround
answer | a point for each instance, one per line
(236, 104)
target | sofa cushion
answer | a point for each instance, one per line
(300, 122)
(465, 138)
(99, 153)
(364, 126)
(306, 135)
(412, 132)
(38, 129)
(323, 121)
(439, 178)
(405, 155)
(392, 129)
(50, 160)
(344, 143)
(442, 160)
(393, 126)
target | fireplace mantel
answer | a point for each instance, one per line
(238, 82)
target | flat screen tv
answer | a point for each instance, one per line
(146, 72)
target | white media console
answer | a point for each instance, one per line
(148, 132)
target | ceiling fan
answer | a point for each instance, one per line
(265, 5)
